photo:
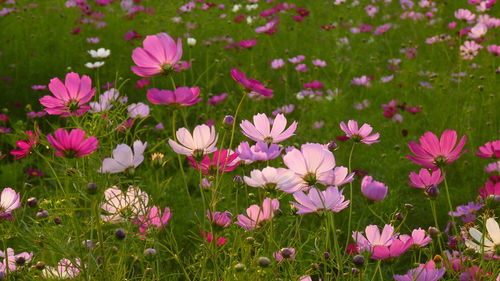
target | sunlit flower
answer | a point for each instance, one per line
(273, 178)
(9, 201)
(488, 243)
(359, 135)
(72, 144)
(66, 269)
(424, 272)
(220, 161)
(121, 206)
(201, 142)
(261, 129)
(100, 53)
(123, 158)
(182, 96)
(257, 214)
(158, 55)
(373, 190)
(315, 201)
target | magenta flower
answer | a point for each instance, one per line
(258, 152)
(313, 163)
(73, 144)
(489, 150)
(257, 214)
(424, 272)
(433, 153)
(201, 142)
(396, 249)
(250, 84)
(182, 96)
(285, 254)
(9, 201)
(25, 146)
(273, 178)
(158, 55)
(490, 190)
(217, 99)
(359, 135)
(261, 129)
(315, 201)
(374, 237)
(373, 190)
(9, 260)
(425, 179)
(69, 98)
(153, 218)
(221, 161)
(220, 219)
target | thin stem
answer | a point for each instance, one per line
(434, 214)
(376, 270)
(350, 197)
(186, 187)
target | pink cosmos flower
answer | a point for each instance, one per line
(261, 129)
(489, 150)
(319, 63)
(313, 163)
(285, 254)
(38, 87)
(220, 219)
(201, 142)
(374, 237)
(138, 110)
(277, 63)
(9, 260)
(122, 206)
(464, 14)
(297, 59)
(396, 249)
(490, 190)
(69, 98)
(247, 44)
(424, 272)
(339, 176)
(221, 161)
(432, 153)
(382, 29)
(250, 84)
(141, 83)
(478, 31)
(72, 144)
(373, 190)
(158, 55)
(361, 81)
(217, 99)
(258, 152)
(359, 135)
(494, 50)
(123, 158)
(424, 179)
(315, 201)
(9, 201)
(182, 96)
(256, 214)
(66, 269)
(153, 218)
(469, 50)
(25, 146)
(273, 178)
(419, 236)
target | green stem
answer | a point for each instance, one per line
(350, 197)
(434, 214)
(186, 187)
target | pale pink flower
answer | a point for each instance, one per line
(373, 190)
(361, 81)
(261, 129)
(424, 272)
(123, 158)
(257, 214)
(478, 31)
(469, 50)
(277, 63)
(313, 163)
(315, 201)
(374, 237)
(464, 14)
(9, 201)
(418, 236)
(285, 254)
(201, 142)
(153, 218)
(66, 269)
(359, 135)
(273, 178)
(9, 260)
(319, 63)
(121, 206)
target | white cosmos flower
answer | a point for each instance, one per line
(100, 53)
(124, 158)
(191, 41)
(482, 241)
(96, 64)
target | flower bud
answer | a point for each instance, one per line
(432, 192)
(239, 267)
(92, 188)
(264, 262)
(42, 214)
(32, 202)
(228, 121)
(358, 260)
(120, 234)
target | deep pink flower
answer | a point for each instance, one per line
(314, 85)
(220, 241)
(261, 129)
(489, 150)
(374, 237)
(373, 190)
(424, 179)
(69, 98)
(257, 214)
(432, 153)
(158, 55)
(141, 83)
(182, 96)
(131, 35)
(396, 249)
(222, 219)
(153, 218)
(359, 135)
(250, 84)
(247, 44)
(25, 146)
(490, 190)
(220, 161)
(73, 144)
(217, 99)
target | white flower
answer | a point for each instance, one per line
(101, 53)
(251, 7)
(124, 158)
(483, 242)
(249, 20)
(122, 206)
(236, 8)
(201, 142)
(270, 178)
(191, 41)
(96, 64)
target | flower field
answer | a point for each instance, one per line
(249, 140)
